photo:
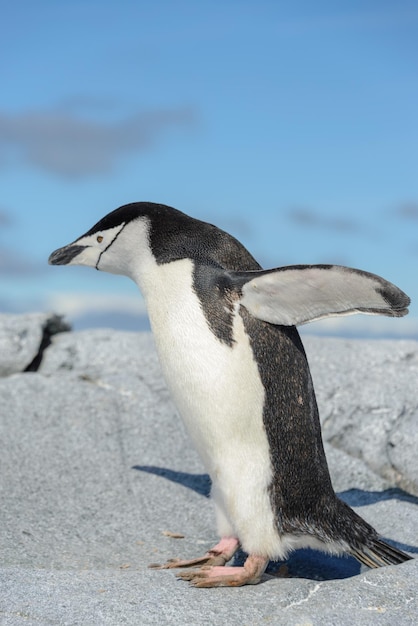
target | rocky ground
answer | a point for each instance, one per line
(97, 479)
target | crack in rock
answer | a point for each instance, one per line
(24, 339)
(52, 326)
(303, 600)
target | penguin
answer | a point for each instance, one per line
(226, 336)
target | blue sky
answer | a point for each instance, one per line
(293, 125)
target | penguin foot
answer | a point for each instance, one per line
(218, 555)
(249, 574)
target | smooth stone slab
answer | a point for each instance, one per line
(97, 472)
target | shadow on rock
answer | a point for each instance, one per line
(303, 563)
(359, 497)
(200, 483)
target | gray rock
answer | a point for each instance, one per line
(402, 451)
(367, 395)
(23, 337)
(96, 467)
(137, 596)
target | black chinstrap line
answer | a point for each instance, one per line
(107, 247)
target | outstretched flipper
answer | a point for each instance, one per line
(298, 294)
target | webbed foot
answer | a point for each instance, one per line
(217, 556)
(249, 574)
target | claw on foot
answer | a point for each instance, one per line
(217, 556)
(249, 574)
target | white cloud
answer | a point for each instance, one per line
(71, 146)
(77, 304)
(311, 219)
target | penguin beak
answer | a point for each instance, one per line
(64, 256)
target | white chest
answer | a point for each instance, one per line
(216, 388)
(219, 394)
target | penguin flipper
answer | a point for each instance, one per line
(298, 294)
(380, 553)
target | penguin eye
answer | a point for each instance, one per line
(99, 238)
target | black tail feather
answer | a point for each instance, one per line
(379, 553)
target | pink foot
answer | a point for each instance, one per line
(249, 574)
(218, 555)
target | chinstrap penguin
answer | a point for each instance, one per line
(226, 335)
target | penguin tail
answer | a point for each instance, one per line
(379, 553)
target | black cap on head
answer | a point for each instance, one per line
(125, 214)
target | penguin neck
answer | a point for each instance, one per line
(167, 290)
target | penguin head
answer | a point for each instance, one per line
(123, 241)
(115, 244)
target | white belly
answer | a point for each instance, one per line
(218, 392)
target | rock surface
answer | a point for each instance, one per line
(24, 337)
(97, 472)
